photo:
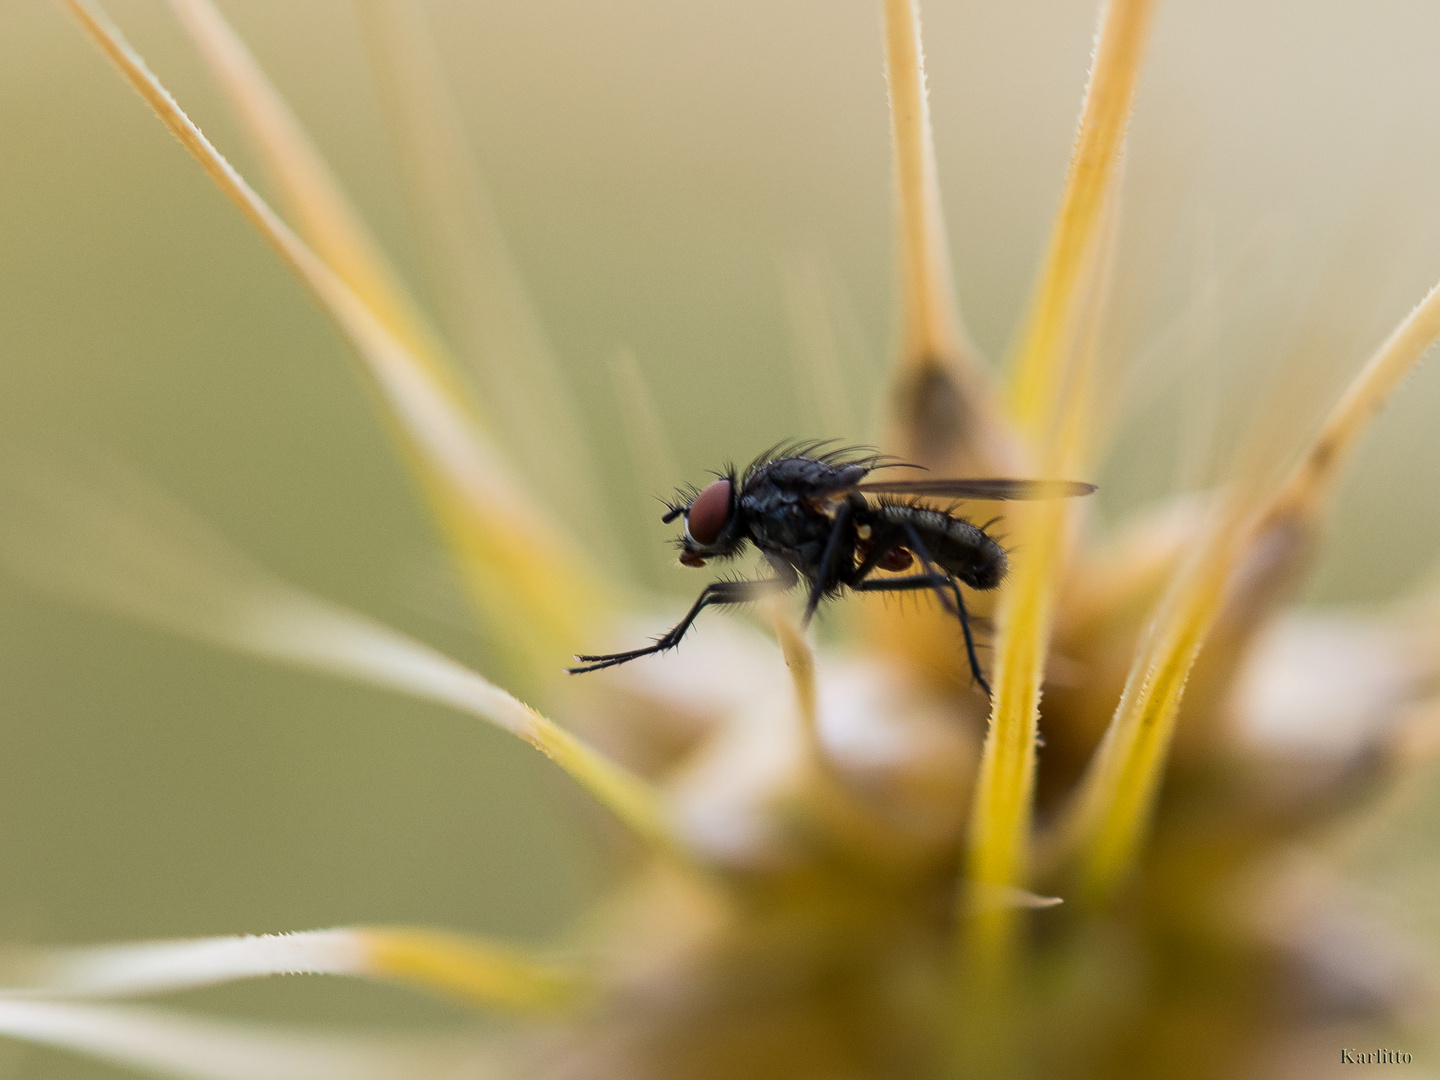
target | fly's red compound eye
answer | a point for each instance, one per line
(706, 518)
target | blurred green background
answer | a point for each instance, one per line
(656, 167)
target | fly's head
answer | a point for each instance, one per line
(712, 521)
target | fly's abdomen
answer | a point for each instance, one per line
(953, 543)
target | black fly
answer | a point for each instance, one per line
(810, 515)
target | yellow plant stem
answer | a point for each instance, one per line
(1309, 485)
(1115, 798)
(1035, 377)
(1050, 395)
(930, 327)
(474, 971)
(1000, 824)
(800, 660)
(1000, 821)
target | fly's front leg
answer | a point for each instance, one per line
(717, 592)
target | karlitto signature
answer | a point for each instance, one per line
(1374, 1057)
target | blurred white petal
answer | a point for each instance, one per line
(193, 1049)
(159, 966)
(1325, 686)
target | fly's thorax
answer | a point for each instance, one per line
(804, 477)
(792, 529)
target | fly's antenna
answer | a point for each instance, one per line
(678, 503)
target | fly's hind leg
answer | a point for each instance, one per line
(969, 640)
(938, 582)
(717, 592)
(958, 610)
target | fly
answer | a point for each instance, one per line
(816, 519)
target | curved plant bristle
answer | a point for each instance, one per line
(324, 215)
(1035, 382)
(1113, 803)
(478, 971)
(536, 591)
(485, 307)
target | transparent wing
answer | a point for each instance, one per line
(986, 488)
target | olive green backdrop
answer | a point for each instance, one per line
(656, 166)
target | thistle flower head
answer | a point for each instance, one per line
(841, 860)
